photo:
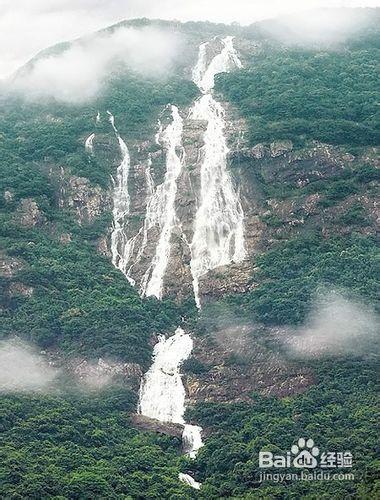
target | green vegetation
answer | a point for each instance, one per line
(291, 274)
(80, 446)
(47, 132)
(338, 413)
(80, 303)
(304, 95)
(83, 447)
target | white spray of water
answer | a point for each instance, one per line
(121, 247)
(88, 145)
(162, 393)
(218, 236)
(161, 206)
(187, 479)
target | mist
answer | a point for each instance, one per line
(320, 26)
(23, 369)
(336, 325)
(79, 73)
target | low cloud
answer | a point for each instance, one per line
(320, 26)
(336, 326)
(79, 73)
(23, 369)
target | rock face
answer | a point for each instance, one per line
(278, 148)
(8, 195)
(148, 166)
(98, 374)
(150, 424)
(85, 200)
(236, 362)
(9, 266)
(28, 213)
(17, 288)
(65, 238)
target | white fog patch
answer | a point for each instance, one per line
(321, 26)
(23, 369)
(79, 73)
(336, 325)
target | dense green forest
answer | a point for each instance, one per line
(338, 412)
(302, 95)
(82, 447)
(292, 273)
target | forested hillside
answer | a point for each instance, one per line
(303, 153)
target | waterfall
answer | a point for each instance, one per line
(88, 145)
(161, 206)
(186, 478)
(121, 247)
(162, 393)
(218, 237)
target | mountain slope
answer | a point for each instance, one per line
(300, 127)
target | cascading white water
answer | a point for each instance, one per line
(218, 237)
(120, 245)
(187, 479)
(218, 228)
(162, 393)
(161, 206)
(88, 145)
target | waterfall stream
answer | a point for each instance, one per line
(88, 145)
(121, 246)
(162, 393)
(161, 205)
(218, 236)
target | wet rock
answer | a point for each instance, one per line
(150, 424)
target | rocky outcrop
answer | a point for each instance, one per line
(28, 214)
(8, 195)
(65, 238)
(103, 247)
(9, 266)
(17, 288)
(86, 201)
(237, 362)
(278, 148)
(150, 424)
(100, 373)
